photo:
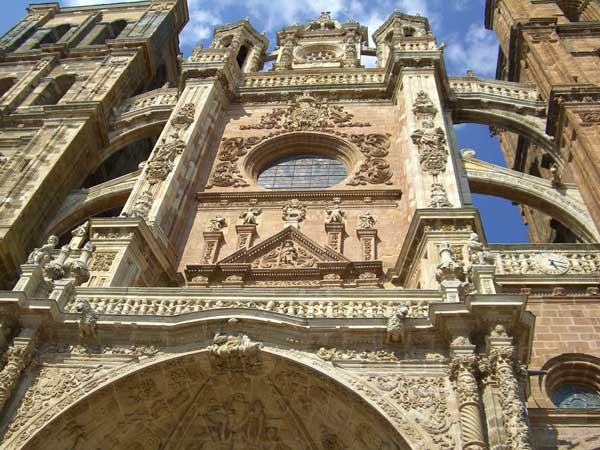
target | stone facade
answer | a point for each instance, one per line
(173, 282)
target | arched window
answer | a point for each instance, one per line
(54, 90)
(54, 35)
(242, 55)
(6, 84)
(576, 396)
(303, 172)
(108, 31)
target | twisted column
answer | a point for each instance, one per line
(462, 374)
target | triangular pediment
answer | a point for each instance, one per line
(287, 249)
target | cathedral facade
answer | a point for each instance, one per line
(272, 247)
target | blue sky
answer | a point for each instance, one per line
(457, 23)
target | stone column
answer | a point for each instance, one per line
(463, 364)
(504, 367)
(368, 243)
(253, 59)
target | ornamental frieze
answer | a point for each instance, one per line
(160, 306)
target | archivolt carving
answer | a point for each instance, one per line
(417, 405)
(282, 408)
(306, 113)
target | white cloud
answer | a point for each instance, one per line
(477, 51)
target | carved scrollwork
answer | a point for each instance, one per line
(375, 169)
(433, 154)
(304, 113)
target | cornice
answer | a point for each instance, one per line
(219, 197)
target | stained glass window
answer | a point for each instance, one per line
(576, 396)
(303, 172)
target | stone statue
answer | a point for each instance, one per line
(366, 221)
(478, 254)
(78, 269)
(216, 224)
(55, 270)
(439, 198)
(334, 215)
(395, 325)
(249, 217)
(87, 321)
(43, 255)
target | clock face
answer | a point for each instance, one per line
(553, 263)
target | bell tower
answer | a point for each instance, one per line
(323, 42)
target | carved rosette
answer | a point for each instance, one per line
(462, 375)
(504, 369)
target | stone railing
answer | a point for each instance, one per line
(157, 97)
(421, 46)
(328, 309)
(209, 56)
(502, 89)
(555, 260)
(370, 76)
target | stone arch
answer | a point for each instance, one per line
(210, 398)
(84, 203)
(517, 123)
(563, 203)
